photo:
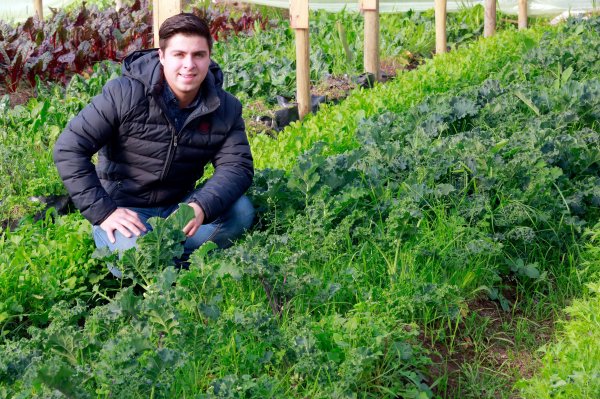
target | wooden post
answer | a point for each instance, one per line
(161, 10)
(39, 9)
(440, 26)
(370, 9)
(522, 14)
(299, 22)
(489, 19)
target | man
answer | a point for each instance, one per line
(155, 129)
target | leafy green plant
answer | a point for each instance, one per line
(337, 125)
(368, 246)
(43, 263)
(28, 134)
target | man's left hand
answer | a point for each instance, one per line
(194, 224)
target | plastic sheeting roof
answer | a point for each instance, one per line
(535, 7)
(20, 10)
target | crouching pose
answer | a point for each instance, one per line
(155, 129)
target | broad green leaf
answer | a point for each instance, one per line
(504, 303)
(210, 311)
(444, 189)
(63, 378)
(527, 102)
(566, 75)
(404, 350)
(531, 271)
(499, 145)
(229, 269)
(200, 256)
(182, 216)
(167, 278)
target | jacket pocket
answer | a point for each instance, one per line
(113, 186)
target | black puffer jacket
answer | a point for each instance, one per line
(143, 161)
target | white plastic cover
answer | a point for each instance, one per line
(16, 11)
(535, 7)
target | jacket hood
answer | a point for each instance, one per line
(144, 66)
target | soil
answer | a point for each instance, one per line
(334, 88)
(260, 121)
(498, 355)
(391, 66)
(23, 93)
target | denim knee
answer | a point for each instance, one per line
(225, 228)
(121, 243)
(234, 222)
(242, 212)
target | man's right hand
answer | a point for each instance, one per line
(126, 221)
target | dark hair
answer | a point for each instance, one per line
(186, 24)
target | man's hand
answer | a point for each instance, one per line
(194, 224)
(125, 221)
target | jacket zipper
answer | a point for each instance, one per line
(114, 187)
(170, 153)
(174, 140)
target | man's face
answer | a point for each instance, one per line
(185, 62)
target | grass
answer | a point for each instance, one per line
(490, 351)
(571, 363)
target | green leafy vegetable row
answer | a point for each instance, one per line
(255, 65)
(336, 125)
(263, 64)
(361, 253)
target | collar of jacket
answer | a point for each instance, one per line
(171, 99)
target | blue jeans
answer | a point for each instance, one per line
(227, 227)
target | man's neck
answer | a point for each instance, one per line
(184, 100)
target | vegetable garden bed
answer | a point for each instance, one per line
(258, 66)
(384, 222)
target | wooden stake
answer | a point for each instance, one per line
(161, 10)
(440, 26)
(39, 9)
(299, 22)
(489, 20)
(303, 72)
(370, 9)
(522, 14)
